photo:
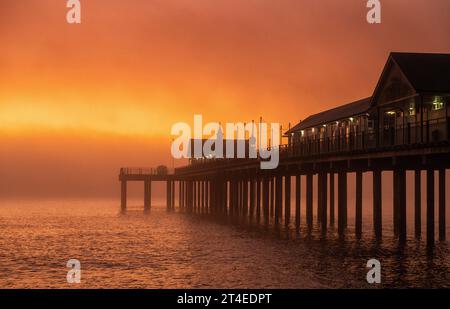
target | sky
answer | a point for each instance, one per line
(77, 102)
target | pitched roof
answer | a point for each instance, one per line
(425, 72)
(335, 114)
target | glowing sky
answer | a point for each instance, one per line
(93, 97)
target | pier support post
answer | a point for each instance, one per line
(430, 207)
(342, 202)
(252, 197)
(272, 196)
(213, 196)
(402, 205)
(417, 203)
(180, 195)
(188, 196)
(396, 201)
(298, 179)
(442, 204)
(147, 195)
(199, 196)
(245, 197)
(168, 194)
(240, 198)
(358, 211)
(207, 198)
(225, 196)
(203, 207)
(309, 200)
(323, 200)
(265, 200)
(234, 197)
(287, 200)
(193, 195)
(123, 195)
(279, 198)
(258, 199)
(332, 198)
(173, 195)
(377, 206)
(319, 196)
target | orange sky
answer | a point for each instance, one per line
(86, 99)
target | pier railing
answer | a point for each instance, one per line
(137, 171)
(407, 136)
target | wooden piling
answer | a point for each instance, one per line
(430, 207)
(278, 198)
(287, 200)
(323, 200)
(417, 203)
(272, 197)
(358, 204)
(319, 197)
(396, 202)
(207, 198)
(377, 203)
(442, 228)
(168, 194)
(258, 199)
(402, 205)
(147, 195)
(309, 200)
(332, 198)
(234, 198)
(342, 201)
(252, 196)
(173, 195)
(265, 200)
(123, 195)
(180, 194)
(298, 186)
(245, 197)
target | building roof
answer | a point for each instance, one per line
(335, 114)
(425, 72)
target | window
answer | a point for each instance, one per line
(437, 104)
(412, 109)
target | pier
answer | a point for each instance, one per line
(404, 127)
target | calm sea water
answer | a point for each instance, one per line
(175, 250)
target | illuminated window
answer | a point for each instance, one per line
(438, 104)
(412, 109)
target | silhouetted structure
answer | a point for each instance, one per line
(403, 126)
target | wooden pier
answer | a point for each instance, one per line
(403, 127)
